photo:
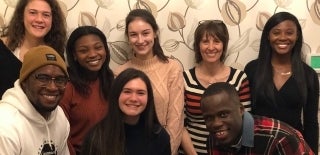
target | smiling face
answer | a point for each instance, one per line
(283, 37)
(211, 48)
(37, 19)
(133, 100)
(44, 97)
(90, 52)
(223, 118)
(141, 38)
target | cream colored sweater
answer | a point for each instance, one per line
(168, 91)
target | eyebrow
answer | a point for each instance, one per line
(31, 9)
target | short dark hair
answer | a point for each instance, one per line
(214, 28)
(221, 87)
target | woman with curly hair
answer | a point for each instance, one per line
(34, 22)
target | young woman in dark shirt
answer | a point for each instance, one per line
(282, 85)
(131, 126)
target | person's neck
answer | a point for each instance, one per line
(211, 69)
(281, 65)
(281, 60)
(91, 75)
(131, 120)
(45, 115)
(27, 43)
(144, 57)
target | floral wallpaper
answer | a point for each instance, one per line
(178, 19)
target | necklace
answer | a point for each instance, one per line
(283, 73)
(213, 80)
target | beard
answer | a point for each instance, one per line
(43, 110)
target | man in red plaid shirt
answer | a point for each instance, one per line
(235, 131)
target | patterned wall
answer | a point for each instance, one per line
(178, 19)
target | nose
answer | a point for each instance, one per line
(39, 17)
(283, 36)
(214, 124)
(140, 39)
(52, 85)
(211, 45)
(92, 53)
(133, 97)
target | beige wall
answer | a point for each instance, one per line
(178, 18)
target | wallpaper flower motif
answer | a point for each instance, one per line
(178, 19)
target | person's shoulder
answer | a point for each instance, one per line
(159, 131)
(236, 70)
(237, 73)
(3, 39)
(175, 63)
(10, 117)
(117, 70)
(60, 117)
(60, 120)
(272, 126)
(308, 69)
(3, 43)
(252, 63)
(7, 110)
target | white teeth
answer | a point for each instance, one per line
(38, 27)
(283, 45)
(50, 97)
(220, 133)
(93, 62)
(211, 54)
(130, 105)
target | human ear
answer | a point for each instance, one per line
(241, 109)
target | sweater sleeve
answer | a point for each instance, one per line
(310, 112)
(244, 92)
(65, 102)
(176, 104)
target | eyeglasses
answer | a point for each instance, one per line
(59, 81)
(208, 21)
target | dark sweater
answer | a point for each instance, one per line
(10, 67)
(137, 144)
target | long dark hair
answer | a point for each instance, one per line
(108, 136)
(76, 71)
(55, 38)
(264, 81)
(147, 17)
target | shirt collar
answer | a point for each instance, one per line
(247, 130)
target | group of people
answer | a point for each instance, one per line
(150, 105)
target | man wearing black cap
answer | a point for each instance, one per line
(30, 120)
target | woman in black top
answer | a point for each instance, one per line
(282, 85)
(131, 126)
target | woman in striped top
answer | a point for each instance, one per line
(210, 45)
